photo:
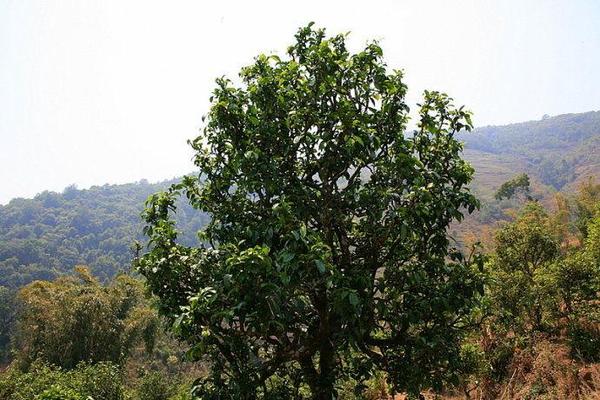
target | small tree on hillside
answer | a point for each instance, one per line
(526, 250)
(586, 204)
(327, 256)
(519, 185)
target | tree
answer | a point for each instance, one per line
(525, 252)
(8, 309)
(586, 204)
(327, 255)
(517, 185)
(578, 282)
(75, 319)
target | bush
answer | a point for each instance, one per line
(77, 319)
(42, 381)
(154, 386)
(60, 393)
(584, 342)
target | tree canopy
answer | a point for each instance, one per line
(525, 251)
(517, 185)
(75, 319)
(326, 257)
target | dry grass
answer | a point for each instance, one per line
(544, 372)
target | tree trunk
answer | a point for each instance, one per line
(322, 382)
(324, 389)
(326, 381)
(324, 393)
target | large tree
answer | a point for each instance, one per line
(327, 255)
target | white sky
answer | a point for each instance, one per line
(95, 92)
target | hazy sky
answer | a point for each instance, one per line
(95, 92)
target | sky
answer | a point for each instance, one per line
(96, 92)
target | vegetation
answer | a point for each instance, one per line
(78, 339)
(332, 258)
(98, 381)
(75, 319)
(525, 251)
(8, 311)
(542, 294)
(49, 235)
(559, 150)
(518, 185)
(325, 263)
(103, 380)
(537, 334)
(556, 153)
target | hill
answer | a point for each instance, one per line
(558, 152)
(49, 235)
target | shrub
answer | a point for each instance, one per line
(154, 386)
(584, 342)
(42, 381)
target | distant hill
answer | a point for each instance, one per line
(558, 152)
(50, 234)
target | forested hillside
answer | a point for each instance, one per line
(49, 235)
(333, 231)
(559, 152)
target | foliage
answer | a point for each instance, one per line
(154, 386)
(519, 184)
(328, 252)
(47, 236)
(75, 319)
(42, 381)
(525, 252)
(585, 342)
(56, 392)
(8, 310)
(540, 294)
(269, 279)
(578, 281)
(557, 153)
(586, 204)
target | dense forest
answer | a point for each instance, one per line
(47, 236)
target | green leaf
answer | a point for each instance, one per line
(320, 266)
(353, 299)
